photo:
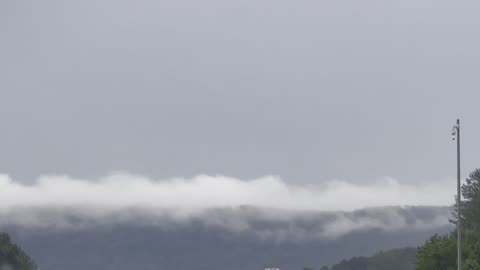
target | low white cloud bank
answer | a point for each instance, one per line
(268, 206)
(205, 192)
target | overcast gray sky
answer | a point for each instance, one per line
(307, 90)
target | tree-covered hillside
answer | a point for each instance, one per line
(12, 257)
(397, 259)
(440, 252)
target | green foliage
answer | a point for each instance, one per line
(471, 200)
(12, 256)
(440, 252)
(471, 248)
(397, 259)
(437, 254)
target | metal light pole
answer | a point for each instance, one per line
(456, 135)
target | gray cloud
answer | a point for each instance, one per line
(307, 89)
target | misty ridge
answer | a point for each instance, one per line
(265, 224)
(290, 240)
(267, 207)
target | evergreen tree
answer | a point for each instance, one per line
(12, 257)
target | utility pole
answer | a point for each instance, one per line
(456, 135)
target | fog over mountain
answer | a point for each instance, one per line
(214, 222)
(64, 202)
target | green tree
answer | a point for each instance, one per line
(471, 201)
(12, 256)
(440, 252)
(437, 254)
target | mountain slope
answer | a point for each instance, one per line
(289, 242)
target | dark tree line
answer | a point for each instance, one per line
(397, 259)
